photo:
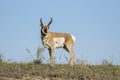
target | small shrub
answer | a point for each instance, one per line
(1, 58)
(106, 62)
(40, 57)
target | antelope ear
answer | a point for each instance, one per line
(48, 27)
(41, 25)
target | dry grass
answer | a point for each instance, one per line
(32, 71)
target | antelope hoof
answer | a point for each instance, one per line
(71, 64)
(51, 65)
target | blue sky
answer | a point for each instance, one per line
(94, 23)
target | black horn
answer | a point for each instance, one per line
(50, 22)
(41, 23)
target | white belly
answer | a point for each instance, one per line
(59, 42)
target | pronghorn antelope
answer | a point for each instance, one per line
(52, 40)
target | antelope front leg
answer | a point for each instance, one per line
(51, 53)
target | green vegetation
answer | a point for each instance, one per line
(33, 71)
(36, 70)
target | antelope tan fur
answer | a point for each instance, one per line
(52, 40)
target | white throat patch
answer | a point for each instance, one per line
(59, 42)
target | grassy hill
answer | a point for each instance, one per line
(33, 71)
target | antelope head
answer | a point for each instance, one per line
(45, 28)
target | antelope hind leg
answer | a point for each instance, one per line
(72, 57)
(70, 50)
